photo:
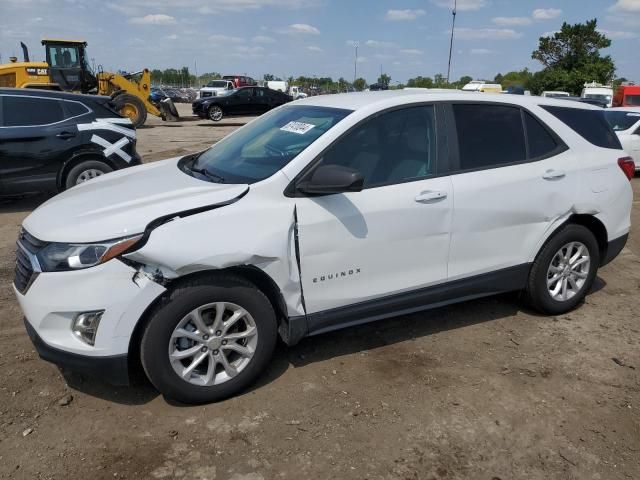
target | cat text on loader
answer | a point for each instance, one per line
(67, 68)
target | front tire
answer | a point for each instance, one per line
(215, 113)
(564, 270)
(209, 339)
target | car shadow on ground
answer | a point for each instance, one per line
(340, 343)
(23, 203)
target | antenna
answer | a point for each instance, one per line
(453, 26)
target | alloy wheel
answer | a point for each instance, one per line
(568, 271)
(213, 343)
(215, 113)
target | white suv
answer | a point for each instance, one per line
(328, 212)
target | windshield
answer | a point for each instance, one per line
(621, 120)
(597, 96)
(217, 84)
(264, 146)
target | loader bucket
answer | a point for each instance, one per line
(169, 111)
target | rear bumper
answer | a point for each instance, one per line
(614, 248)
(112, 369)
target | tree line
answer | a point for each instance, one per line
(570, 58)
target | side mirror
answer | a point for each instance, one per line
(330, 179)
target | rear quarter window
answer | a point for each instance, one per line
(589, 124)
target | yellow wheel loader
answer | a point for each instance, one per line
(66, 68)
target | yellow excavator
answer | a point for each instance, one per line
(66, 68)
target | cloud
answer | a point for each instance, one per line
(300, 29)
(618, 34)
(407, 14)
(352, 43)
(485, 33)
(411, 51)
(550, 34)
(379, 44)
(223, 39)
(173, 36)
(481, 51)
(463, 5)
(132, 7)
(157, 19)
(511, 21)
(546, 13)
(627, 6)
(249, 50)
(263, 39)
(313, 48)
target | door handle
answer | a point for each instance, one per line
(553, 174)
(430, 196)
(65, 135)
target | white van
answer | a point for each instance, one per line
(302, 222)
(598, 91)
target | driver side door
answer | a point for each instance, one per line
(392, 237)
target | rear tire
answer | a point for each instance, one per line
(228, 355)
(131, 107)
(85, 171)
(564, 270)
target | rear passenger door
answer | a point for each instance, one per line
(512, 179)
(35, 138)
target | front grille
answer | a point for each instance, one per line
(205, 94)
(26, 272)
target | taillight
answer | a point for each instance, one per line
(628, 166)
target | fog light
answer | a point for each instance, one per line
(85, 326)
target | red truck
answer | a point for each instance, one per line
(627, 96)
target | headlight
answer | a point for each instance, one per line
(60, 257)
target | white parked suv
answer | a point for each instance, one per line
(625, 121)
(324, 213)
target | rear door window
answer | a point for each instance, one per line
(489, 135)
(589, 124)
(23, 111)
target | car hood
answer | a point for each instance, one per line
(124, 202)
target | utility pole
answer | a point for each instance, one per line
(453, 26)
(355, 65)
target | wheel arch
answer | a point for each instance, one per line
(590, 222)
(77, 158)
(254, 275)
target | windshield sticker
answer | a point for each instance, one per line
(297, 127)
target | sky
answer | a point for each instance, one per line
(403, 38)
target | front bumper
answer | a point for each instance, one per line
(199, 109)
(54, 299)
(112, 369)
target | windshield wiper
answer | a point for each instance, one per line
(208, 174)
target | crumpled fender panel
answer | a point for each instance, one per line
(258, 230)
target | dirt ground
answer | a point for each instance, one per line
(480, 390)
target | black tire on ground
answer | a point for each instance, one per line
(154, 347)
(537, 292)
(85, 171)
(131, 107)
(215, 113)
